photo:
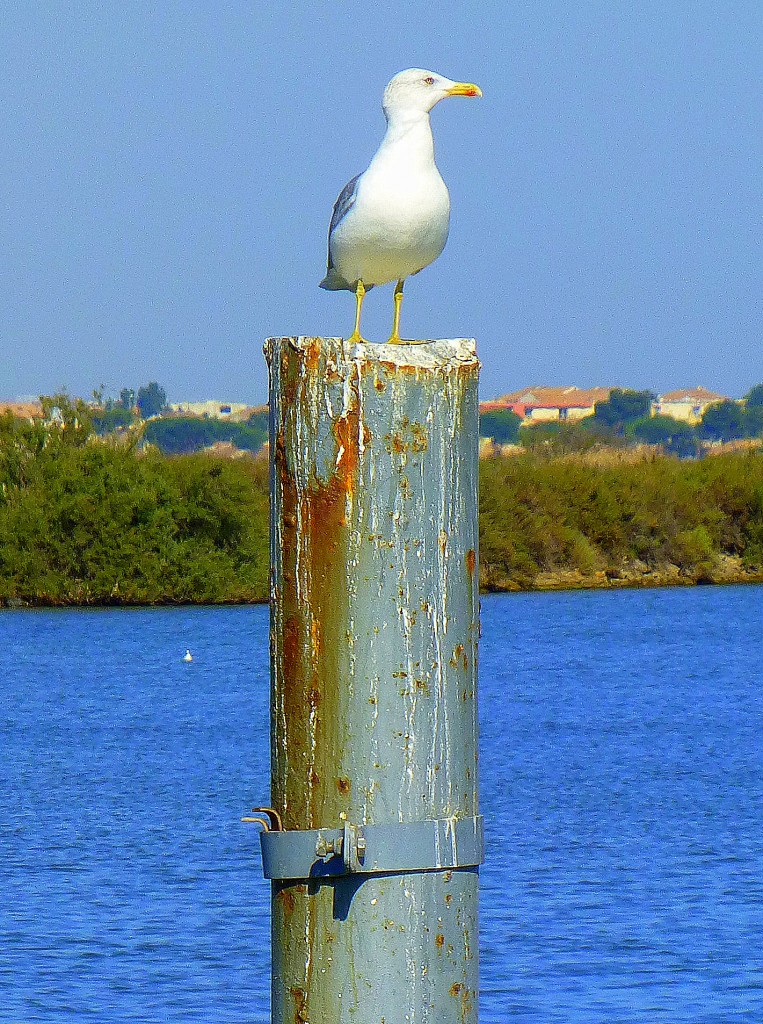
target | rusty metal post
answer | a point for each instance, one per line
(374, 630)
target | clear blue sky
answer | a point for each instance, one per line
(169, 169)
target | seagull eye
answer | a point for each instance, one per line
(429, 80)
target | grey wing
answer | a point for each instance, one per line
(342, 207)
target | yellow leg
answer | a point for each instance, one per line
(360, 291)
(394, 338)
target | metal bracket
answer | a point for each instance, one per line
(432, 845)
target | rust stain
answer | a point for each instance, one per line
(346, 432)
(458, 654)
(439, 941)
(393, 369)
(471, 562)
(286, 898)
(388, 924)
(462, 992)
(300, 1005)
(408, 437)
(343, 785)
(313, 355)
(314, 554)
(448, 898)
(419, 438)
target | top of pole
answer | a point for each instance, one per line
(437, 353)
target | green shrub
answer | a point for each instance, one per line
(179, 435)
(502, 425)
(98, 523)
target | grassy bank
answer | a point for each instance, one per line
(577, 521)
(88, 522)
(99, 523)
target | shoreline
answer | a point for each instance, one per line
(728, 571)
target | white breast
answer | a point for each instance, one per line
(399, 221)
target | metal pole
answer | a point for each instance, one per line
(374, 630)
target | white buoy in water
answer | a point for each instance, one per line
(187, 656)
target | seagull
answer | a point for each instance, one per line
(187, 656)
(392, 221)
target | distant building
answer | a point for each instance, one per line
(687, 405)
(30, 411)
(545, 404)
(235, 411)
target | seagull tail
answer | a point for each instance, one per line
(334, 282)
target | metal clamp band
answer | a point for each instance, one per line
(433, 845)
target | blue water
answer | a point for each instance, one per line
(622, 781)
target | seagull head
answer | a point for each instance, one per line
(417, 91)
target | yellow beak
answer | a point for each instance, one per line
(464, 89)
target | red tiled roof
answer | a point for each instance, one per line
(543, 397)
(692, 396)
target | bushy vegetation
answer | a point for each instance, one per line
(559, 437)
(674, 436)
(543, 515)
(182, 434)
(87, 520)
(151, 399)
(621, 408)
(112, 419)
(502, 425)
(84, 521)
(729, 421)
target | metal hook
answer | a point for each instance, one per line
(271, 823)
(257, 821)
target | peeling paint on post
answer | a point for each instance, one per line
(374, 630)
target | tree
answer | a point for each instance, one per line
(259, 419)
(151, 400)
(112, 418)
(723, 421)
(754, 410)
(623, 406)
(675, 437)
(184, 434)
(500, 424)
(555, 437)
(69, 422)
(753, 415)
(127, 398)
